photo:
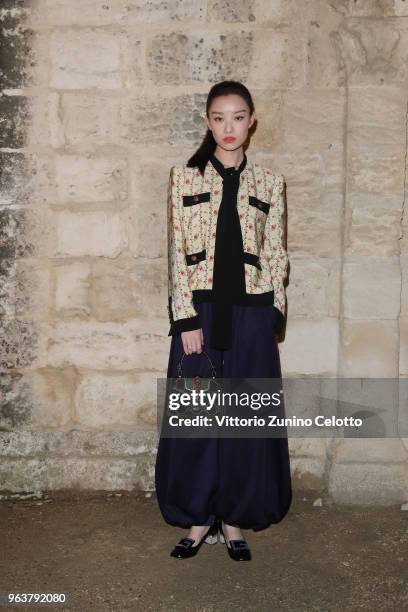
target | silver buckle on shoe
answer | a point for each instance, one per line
(239, 544)
(186, 542)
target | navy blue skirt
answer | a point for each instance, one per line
(244, 481)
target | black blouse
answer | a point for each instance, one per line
(229, 268)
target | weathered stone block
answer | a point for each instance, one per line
(77, 442)
(298, 357)
(77, 459)
(258, 12)
(117, 401)
(90, 119)
(314, 288)
(368, 483)
(51, 397)
(13, 168)
(94, 233)
(275, 55)
(85, 58)
(369, 451)
(369, 8)
(133, 12)
(90, 179)
(143, 119)
(321, 125)
(376, 116)
(148, 209)
(369, 349)
(72, 288)
(378, 170)
(15, 46)
(371, 289)
(14, 117)
(20, 343)
(25, 178)
(137, 344)
(46, 129)
(124, 289)
(374, 232)
(318, 25)
(176, 58)
(373, 51)
(101, 474)
(36, 232)
(31, 286)
(314, 222)
(15, 400)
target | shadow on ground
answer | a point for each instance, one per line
(111, 552)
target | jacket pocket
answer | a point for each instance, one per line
(252, 260)
(190, 200)
(259, 204)
(194, 258)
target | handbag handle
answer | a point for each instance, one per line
(179, 367)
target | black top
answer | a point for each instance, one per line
(229, 268)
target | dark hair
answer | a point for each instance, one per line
(208, 145)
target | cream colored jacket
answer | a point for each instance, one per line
(192, 210)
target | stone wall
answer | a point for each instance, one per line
(98, 100)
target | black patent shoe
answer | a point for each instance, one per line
(237, 549)
(184, 549)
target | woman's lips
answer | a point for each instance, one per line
(229, 139)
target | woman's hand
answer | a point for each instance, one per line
(192, 341)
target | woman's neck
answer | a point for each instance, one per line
(229, 159)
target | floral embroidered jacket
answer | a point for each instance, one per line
(192, 208)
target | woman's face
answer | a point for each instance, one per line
(229, 120)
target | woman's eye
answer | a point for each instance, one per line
(218, 119)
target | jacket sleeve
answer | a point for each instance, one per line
(274, 250)
(182, 314)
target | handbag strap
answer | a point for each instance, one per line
(179, 367)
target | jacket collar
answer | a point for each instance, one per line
(222, 171)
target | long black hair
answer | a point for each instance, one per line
(208, 145)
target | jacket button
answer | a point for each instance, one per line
(193, 257)
(196, 198)
(259, 205)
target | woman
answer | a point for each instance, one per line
(227, 264)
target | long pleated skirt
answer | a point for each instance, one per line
(244, 481)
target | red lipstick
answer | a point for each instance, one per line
(229, 139)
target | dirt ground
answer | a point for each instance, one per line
(111, 552)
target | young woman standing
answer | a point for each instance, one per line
(227, 264)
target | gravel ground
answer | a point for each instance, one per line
(111, 552)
